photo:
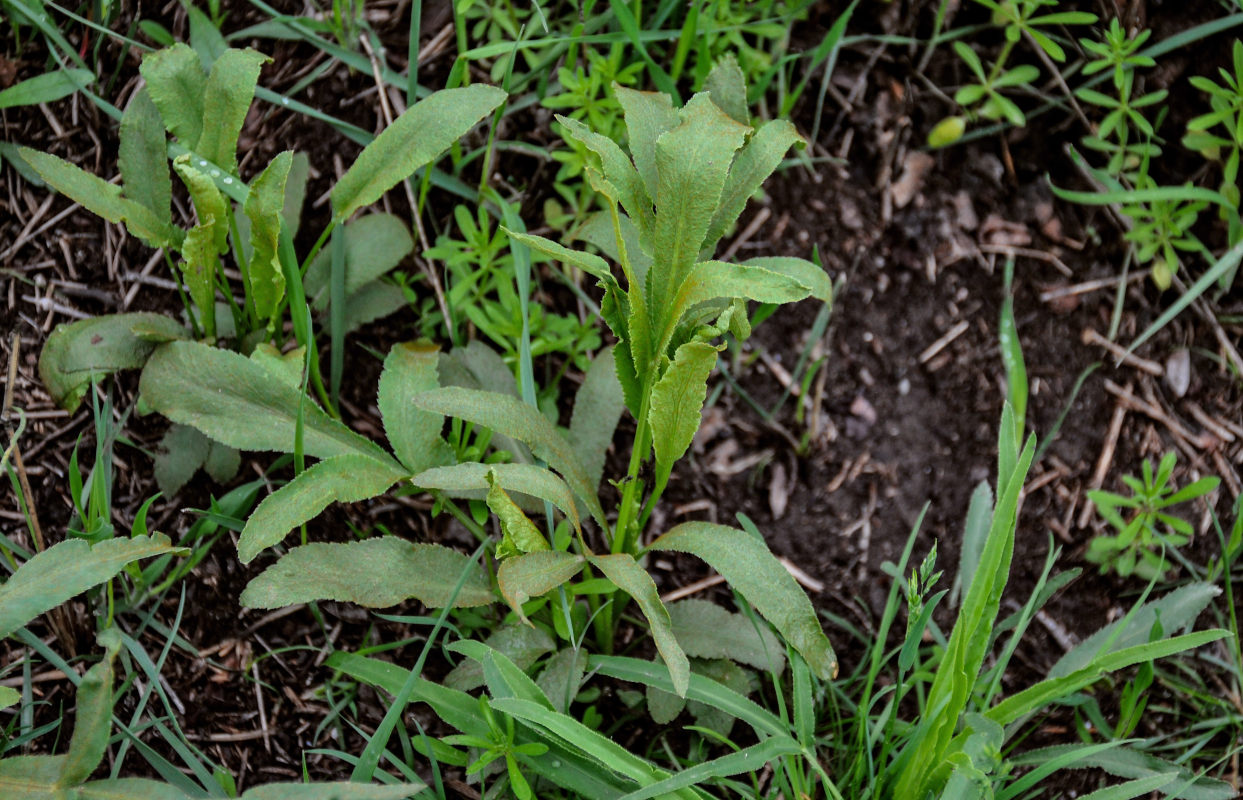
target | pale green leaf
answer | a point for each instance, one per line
(46, 88)
(264, 205)
(705, 630)
(9, 696)
(226, 99)
(376, 573)
(470, 479)
(181, 452)
(1132, 789)
(593, 265)
(222, 462)
(209, 204)
(67, 569)
(129, 789)
(799, 269)
(518, 532)
(677, 401)
(648, 116)
(598, 230)
(295, 192)
(78, 351)
(521, 644)
(1176, 611)
(92, 723)
(514, 418)
(562, 676)
(372, 301)
(414, 435)
(714, 280)
(339, 479)
(749, 566)
(692, 161)
(284, 367)
(239, 403)
(176, 82)
(727, 87)
(748, 759)
(101, 198)
(533, 574)
(752, 166)
(143, 157)
(31, 778)
(597, 410)
(414, 139)
(623, 570)
(374, 244)
(618, 171)
(1126, 762)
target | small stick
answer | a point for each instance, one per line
(1175, 427)
(1090, 336)
(1027, 252)
(940, 344)
(1106, 457)
(1088, 286)
(752, 228)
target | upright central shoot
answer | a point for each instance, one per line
(688, 177)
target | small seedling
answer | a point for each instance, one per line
(1142, 536)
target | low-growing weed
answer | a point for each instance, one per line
(1138, 547)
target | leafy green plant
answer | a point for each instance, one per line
(1226, 101)
(1138, 547)
(205, 112)
(988, 96)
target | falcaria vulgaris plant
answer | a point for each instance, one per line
(688, 176)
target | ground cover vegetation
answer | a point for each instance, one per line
(383, 444)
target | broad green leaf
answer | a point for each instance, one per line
(46, 88)
(593, 265)
(750, 567)
(514, 418)
(727, 87)
(222, 462)
(648, 116)
(339, 479)
(372, 301)
(376, 573)
(265, 282)
(521, 644)
(209, 204)
(700, 689)
(562, 676)
(198, 270)
(414, 435)
(31, 778)
(677, 401)
(692, 162)
(1177, 611)
(597, 410)
(181, 452)
(226, 99)
(143, 157)
(128, 789)
(414, 139)
(1126, 762)
(454, 707)
(9, 697)
(295, 192)
(92, 348)
(618, 171)
(374, 244)
(705, 630)
(729, 675)
(239, 403)
(533, 574)
(518, 533)
(800, 269)
(477, 366)
(470, 479)
(101, 198)
(598, 230)
(176, 82)
(1132, 789)
(714, 280)
(751, 167)
(623, 570)
(284, 367)
(92, 723)
(67, 569)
